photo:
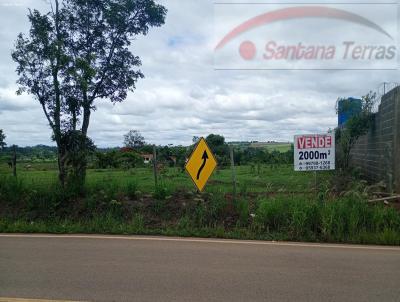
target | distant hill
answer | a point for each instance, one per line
(273, 146)
(270, 146)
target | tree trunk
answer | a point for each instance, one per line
(79, 167)
(80, 172)
(86, 118)
(57, 109)
(62, 175)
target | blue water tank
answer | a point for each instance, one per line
(347, 108)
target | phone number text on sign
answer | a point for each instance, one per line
(314, 152)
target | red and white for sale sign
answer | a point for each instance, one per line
(314, 152)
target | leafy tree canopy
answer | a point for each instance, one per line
(355, 127)
(77, 53)
(2, 139)
(133, 139)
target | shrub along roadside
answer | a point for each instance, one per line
(120, 209)
(342, 220)
(109, 225)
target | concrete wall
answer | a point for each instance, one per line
(377, 154)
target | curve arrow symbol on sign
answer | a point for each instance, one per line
(204, 157)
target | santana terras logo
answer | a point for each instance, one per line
(320, 41)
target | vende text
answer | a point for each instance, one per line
(314, 142)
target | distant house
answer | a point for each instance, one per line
(147, 158)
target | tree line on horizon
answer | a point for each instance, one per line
(134, 145)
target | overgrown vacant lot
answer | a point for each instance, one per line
(266, 178)
(272, 202)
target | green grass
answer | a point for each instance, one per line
(274, 203)
(277, 219)
(270, 179)
(280, 147)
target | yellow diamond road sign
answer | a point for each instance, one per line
(201, 164)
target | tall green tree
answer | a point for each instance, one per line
(2, 139)
(219, 147)
(76, 54)
(133, 139)
(355, 127)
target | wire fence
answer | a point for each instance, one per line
(381, 90)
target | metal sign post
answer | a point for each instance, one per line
(313, 153)
(315, 184)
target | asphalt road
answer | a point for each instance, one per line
(97, 268)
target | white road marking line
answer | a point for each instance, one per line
(2, 299)
(194, 240)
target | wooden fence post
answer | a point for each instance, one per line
(233, 172)
(155, 165)
(14, 160)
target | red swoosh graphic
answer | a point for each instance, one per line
(296, 13)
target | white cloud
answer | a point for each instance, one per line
(183, 95)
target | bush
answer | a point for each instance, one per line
(12, 190)
(340, 220)
(137, 224)
(160, 192)
(132, 189)
(273, 215)
(112, 207)
(242, 209)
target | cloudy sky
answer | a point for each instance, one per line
(189, 89)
